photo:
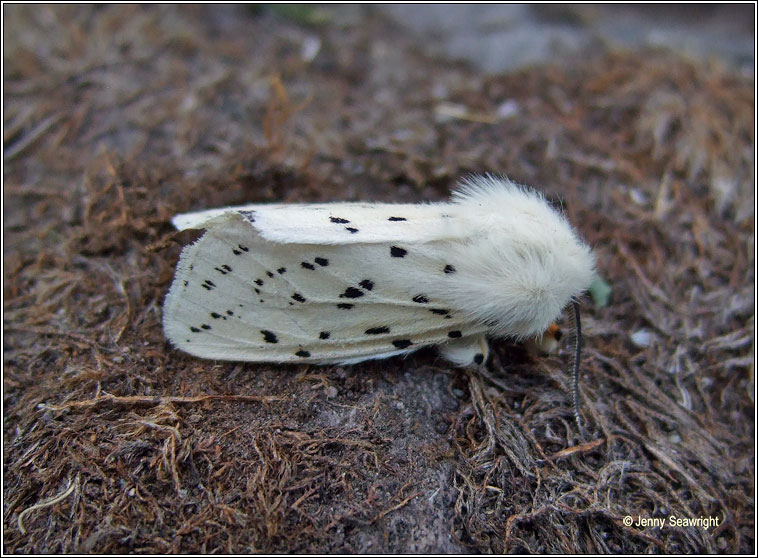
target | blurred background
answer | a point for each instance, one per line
(499, 38)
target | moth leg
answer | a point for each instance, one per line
(547, 343)
(466, 351)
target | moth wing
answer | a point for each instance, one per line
(340, 223)
(239, 296)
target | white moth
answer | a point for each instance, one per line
(347, 282)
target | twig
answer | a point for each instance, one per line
(51, 331)
(54, 500)
(156, 400)
(399, 505)
(32, 136)
(576, 449)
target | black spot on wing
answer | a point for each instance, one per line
(454, 334)
(269, 337)
(420, 299)
(258, 282)
(298, 297)
(352, 292)
(367, 284)
(248, 215)
(449, 269)
(345, 306)
(377, 330)
(303, 354)
(324, 335)
(208, 285)
(439, 311)
(269, 274)
(352, 230)
(323, 262)
(397, 219)
(281, 270)
(479, 358)
(338, 220)
(402, 343)
(193, 329)
(307, 265)
(397, 252)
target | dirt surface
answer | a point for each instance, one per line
(118, 117)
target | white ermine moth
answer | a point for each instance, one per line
(328, 283)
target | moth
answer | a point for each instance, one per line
(328, 283)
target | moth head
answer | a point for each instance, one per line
(525, 280)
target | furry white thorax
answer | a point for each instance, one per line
(525, 262)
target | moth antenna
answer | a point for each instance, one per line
(576, 328)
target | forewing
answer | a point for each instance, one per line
(340, 223)
(240, 296)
